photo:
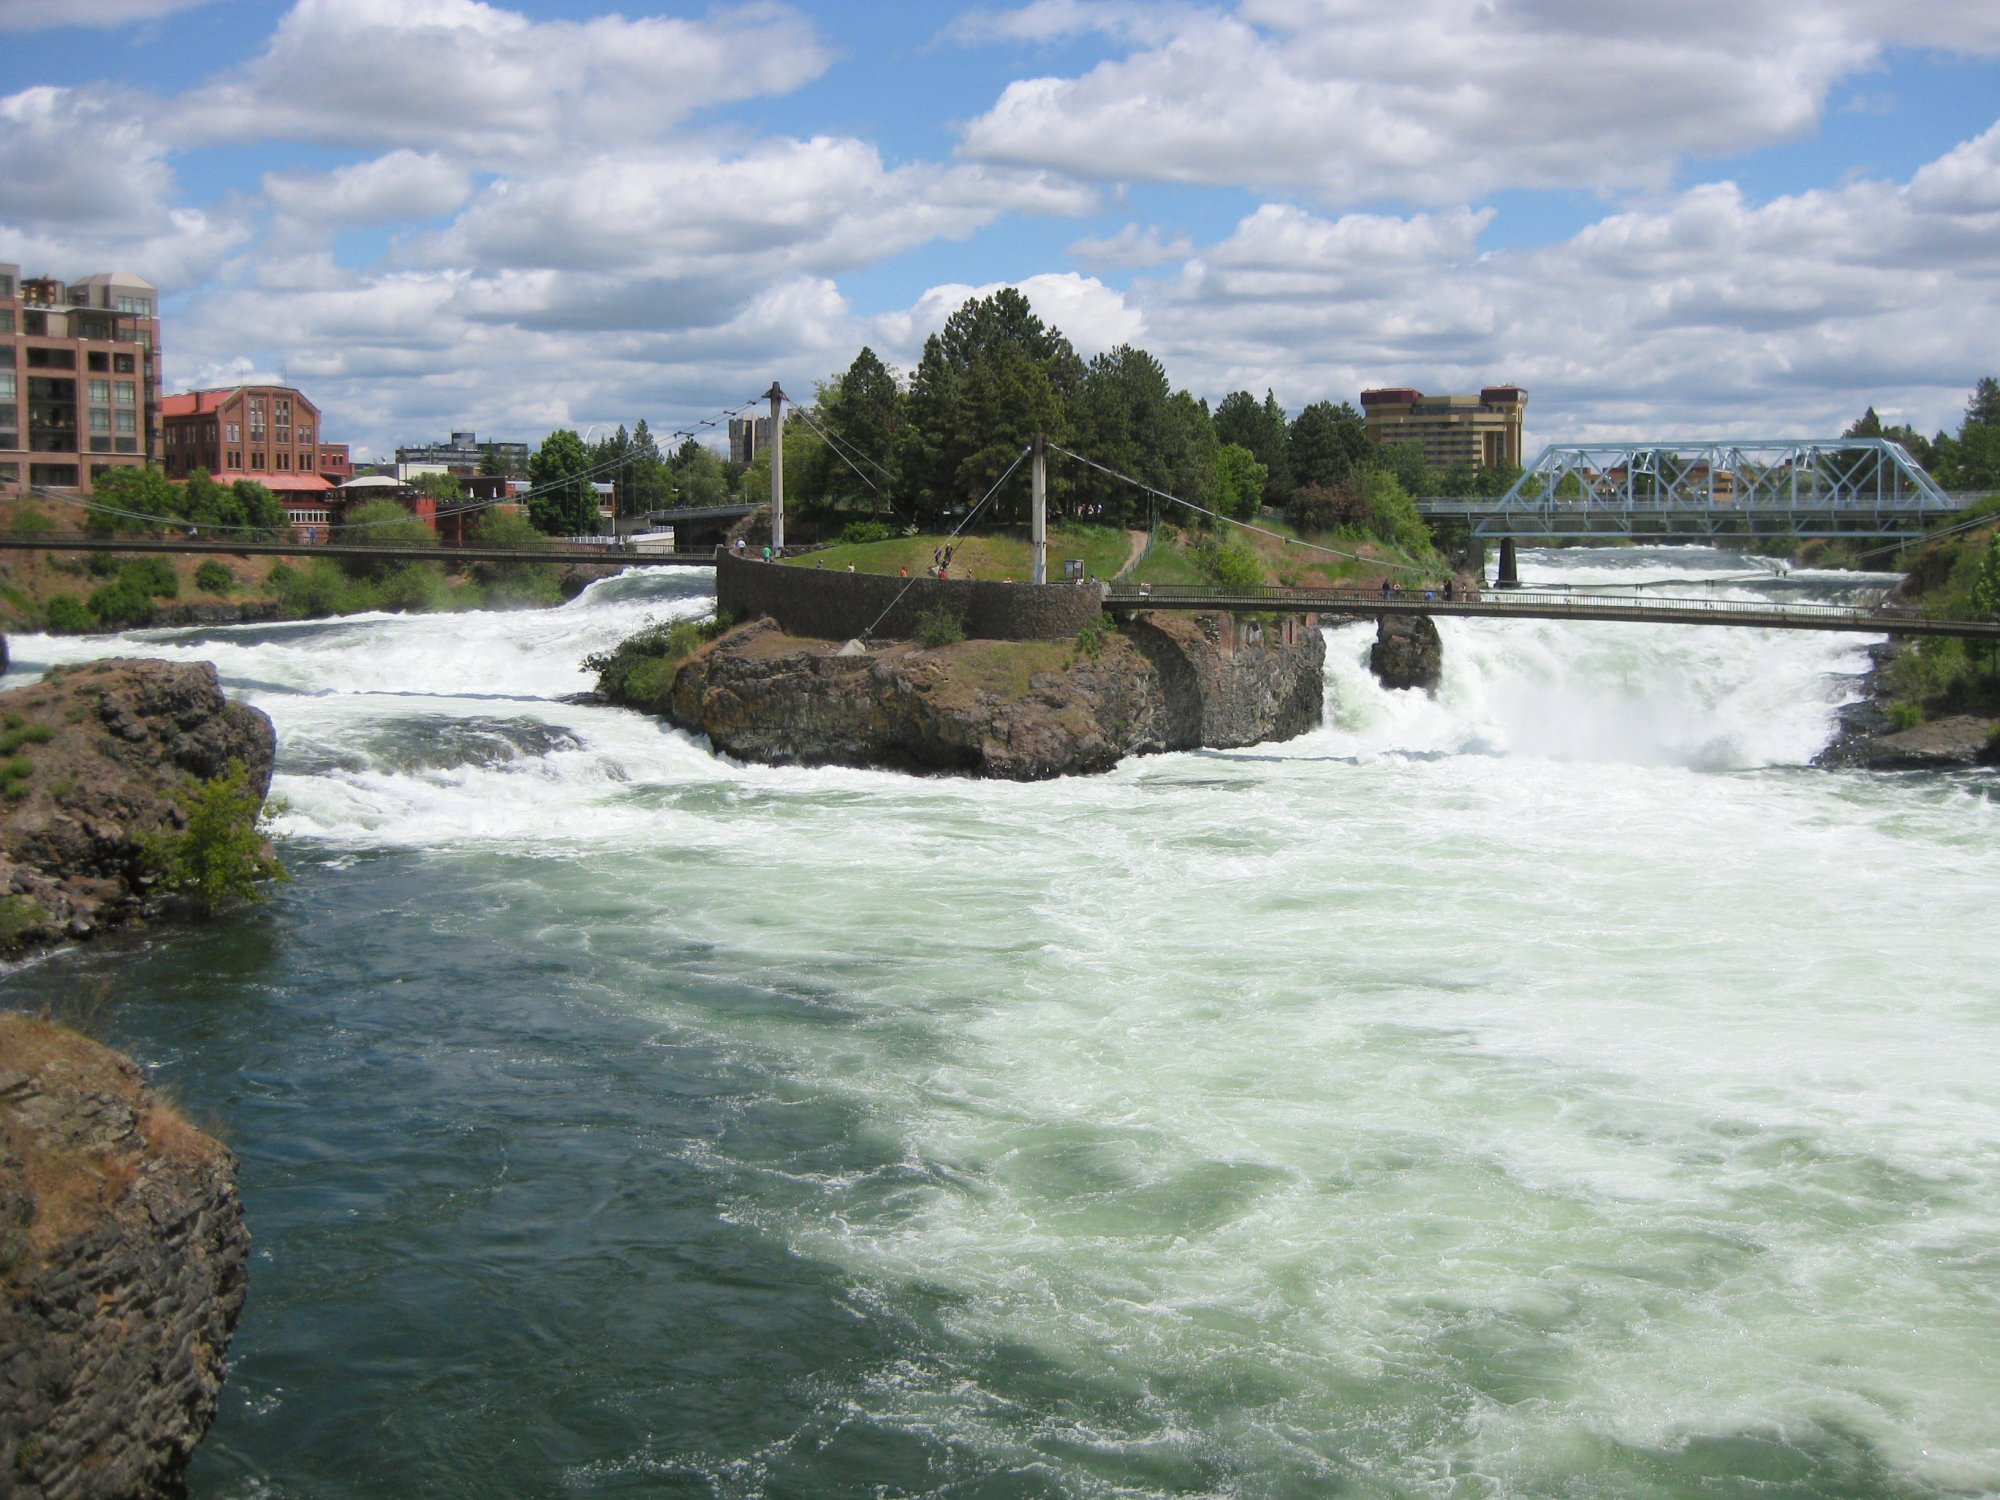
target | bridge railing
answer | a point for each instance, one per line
(1543, 603)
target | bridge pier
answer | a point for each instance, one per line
(1508, 574)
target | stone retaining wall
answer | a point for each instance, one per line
(835, 605)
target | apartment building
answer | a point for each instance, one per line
(79, 378)
(748, 437)
(269, 433)
(1482, 430)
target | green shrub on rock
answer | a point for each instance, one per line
(219, 857)
(214, 577)
(65, 614)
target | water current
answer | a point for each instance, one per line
(1552, 1086)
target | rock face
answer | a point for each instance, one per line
(122, 1273)
(112, 749)
(1955, 744)
(1019, 710)
(1407, 652)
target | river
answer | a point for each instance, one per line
(1551, 1087)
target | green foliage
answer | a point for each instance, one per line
(153, 574)
(30, 520)
(1228, 563)
(860, 533)
(1906, 715)
(144, 495)
(64, 614)
(1392, 514)
(938, 626)
(1328, 443)
(1239, 482)
(214, 577)
(382, 523)
(1091, 640)
(103, 565)
(19, 734)
(640, 670)
(18, 917)
(124, 604)
(566, 505)
(219, 857)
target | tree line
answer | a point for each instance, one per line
(926, 449)
(1967, 460)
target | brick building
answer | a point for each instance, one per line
(1482, 430)
(269, 433)
(79, 378)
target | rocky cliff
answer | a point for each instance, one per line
(122, 1273)
(94, 759)
(1019, 710)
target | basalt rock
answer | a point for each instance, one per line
(1407, 652)
(1019, 710)
(108, 752)
(123, 1266)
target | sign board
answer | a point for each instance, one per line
(1073, 570)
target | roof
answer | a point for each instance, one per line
(280, 484)
(374, 482)
(192, 403)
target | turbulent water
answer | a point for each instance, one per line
(1549, 1087)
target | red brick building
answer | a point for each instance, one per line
(269, 433)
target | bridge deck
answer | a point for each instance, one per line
(1513, 604)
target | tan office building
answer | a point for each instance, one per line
(1482, 430)
(79, 378)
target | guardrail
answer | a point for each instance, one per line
(1540, 605)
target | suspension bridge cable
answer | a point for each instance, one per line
(908, 585)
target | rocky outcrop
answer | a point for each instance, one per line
(106, 753)
(1407, 652)
(1953, 744)
(123, 1262)
(1019, 710)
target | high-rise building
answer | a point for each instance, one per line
(1482, 430)
(748, 437)
(79, 378)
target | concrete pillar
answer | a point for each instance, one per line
(777, 470)
(1508, 574)
(1038, 523)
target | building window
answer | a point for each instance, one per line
(235, 431)
(305, 435)
(7, 391)
(10, 473)
(6, 285)
(126, 394)
(6, 320)
(100, 419)
(122, 363)
(100, 392)
(284, 460)
(127, 421)
(52, 359)
(256, 460)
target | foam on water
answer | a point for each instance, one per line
(1545, 1086)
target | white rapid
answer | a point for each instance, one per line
(1549, 1086)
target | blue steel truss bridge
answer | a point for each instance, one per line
(1711, 491)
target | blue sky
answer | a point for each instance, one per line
(1669, 219)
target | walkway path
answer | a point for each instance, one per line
(1139, 541)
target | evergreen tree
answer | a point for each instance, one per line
(863, 414)
(1983, 409)
(1326, 443)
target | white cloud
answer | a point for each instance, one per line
(1132, 247)
(1144, 21)
(489, 85)
(41, 15)
(1444, 101)
(401, 186)
(79, 158)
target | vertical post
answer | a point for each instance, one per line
(1508, 574)
(1038, 524)
(777, 469)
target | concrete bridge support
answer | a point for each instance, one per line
(1508, 574)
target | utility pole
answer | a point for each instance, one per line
(1038, 524)
(777, 470)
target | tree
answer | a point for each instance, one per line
(703, 475)
(1326, 442)
(1123, 421)
(563, 503)
(989, 380)
(863, 413)
(140, 496)
(1261, 427)
(446, 489)
(219, 857)
(382, 523)
(1407, 462)
(492, 465)
(1239, 482)
(1983, 408)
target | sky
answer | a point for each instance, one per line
(1667, 219)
